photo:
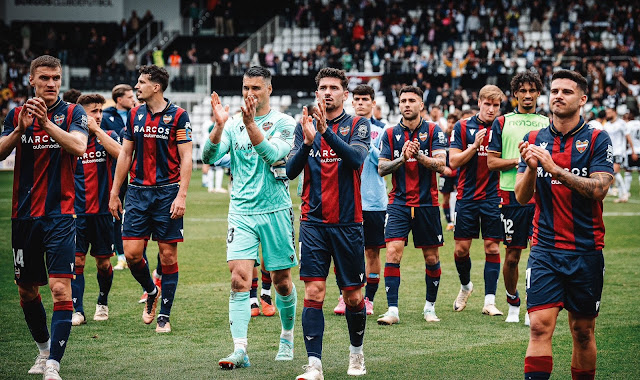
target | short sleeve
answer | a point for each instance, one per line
(7, 126)
(79, 121)
(495, 139)
(127, 133)
(115, 136)
(361, 133)
(183, 129)
(439, 141)
(602, 156)
(385, 148)
(456, 137)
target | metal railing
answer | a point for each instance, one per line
(265, 35)
(142, 41)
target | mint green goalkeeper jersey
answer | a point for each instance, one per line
(506, 133)
(255, 188)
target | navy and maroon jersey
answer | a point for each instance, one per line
(94, 177)
(564, 219)
(156, 137)
(475, 181)
(331, 188)
(43, 172)
(413, 184)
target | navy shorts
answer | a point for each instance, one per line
(31, 239)
(447, 184)
(373, 224)
(94, 230)
(345, 244)
(517, 222)
(565, 279)
(470, 216)
(423, 221)
(147, 213)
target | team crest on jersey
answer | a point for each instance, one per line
(344, 130)
(423, 136)
(266, 126)
(58, 119)
(167, 119)
(582, 145)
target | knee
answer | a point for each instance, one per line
(432, 259)
(511, 262)
(284, 286)
(27, 293)
(61, 290)
(240, 282)
(540, 331)
(314, 293)
(103, 264)
(353, 298)
(583, 337)
(461, 251)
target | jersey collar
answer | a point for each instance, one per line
(574, 131)
(55, 105)
(166, 108)
(481, 122)
(405, 127)
(337, 119)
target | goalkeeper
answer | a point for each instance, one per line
(260, 210)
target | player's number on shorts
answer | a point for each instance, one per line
(508, 225)
(230, 234)
(18, 258)
(528, 278)
(386, 219)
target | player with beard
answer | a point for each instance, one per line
(157, 153)
(413, 152)
(330, 147)
(567, 167)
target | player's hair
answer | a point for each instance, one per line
(71, 95)
(330, 72)
(411, 89)
(363, 90)
(491, 92)
(468, 113)
(258, 71)
(157, 75)
(119, 91)
(83, 100)
(529, 77)
(455, 116)
(573, 76)
(602, 114)
(44, 61)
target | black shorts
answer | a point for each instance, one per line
(32, 238)
(423, 221)
(147, 213)
(566, 280)
(345, 244)
(517, 221)
(447, 184)
(373, 224)
(633, 164)
(93, 230)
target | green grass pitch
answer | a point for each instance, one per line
(465, 345)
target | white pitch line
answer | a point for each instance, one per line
(621, 214)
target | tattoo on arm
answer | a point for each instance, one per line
(594, 187)
(435, 164)
(387, 167)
